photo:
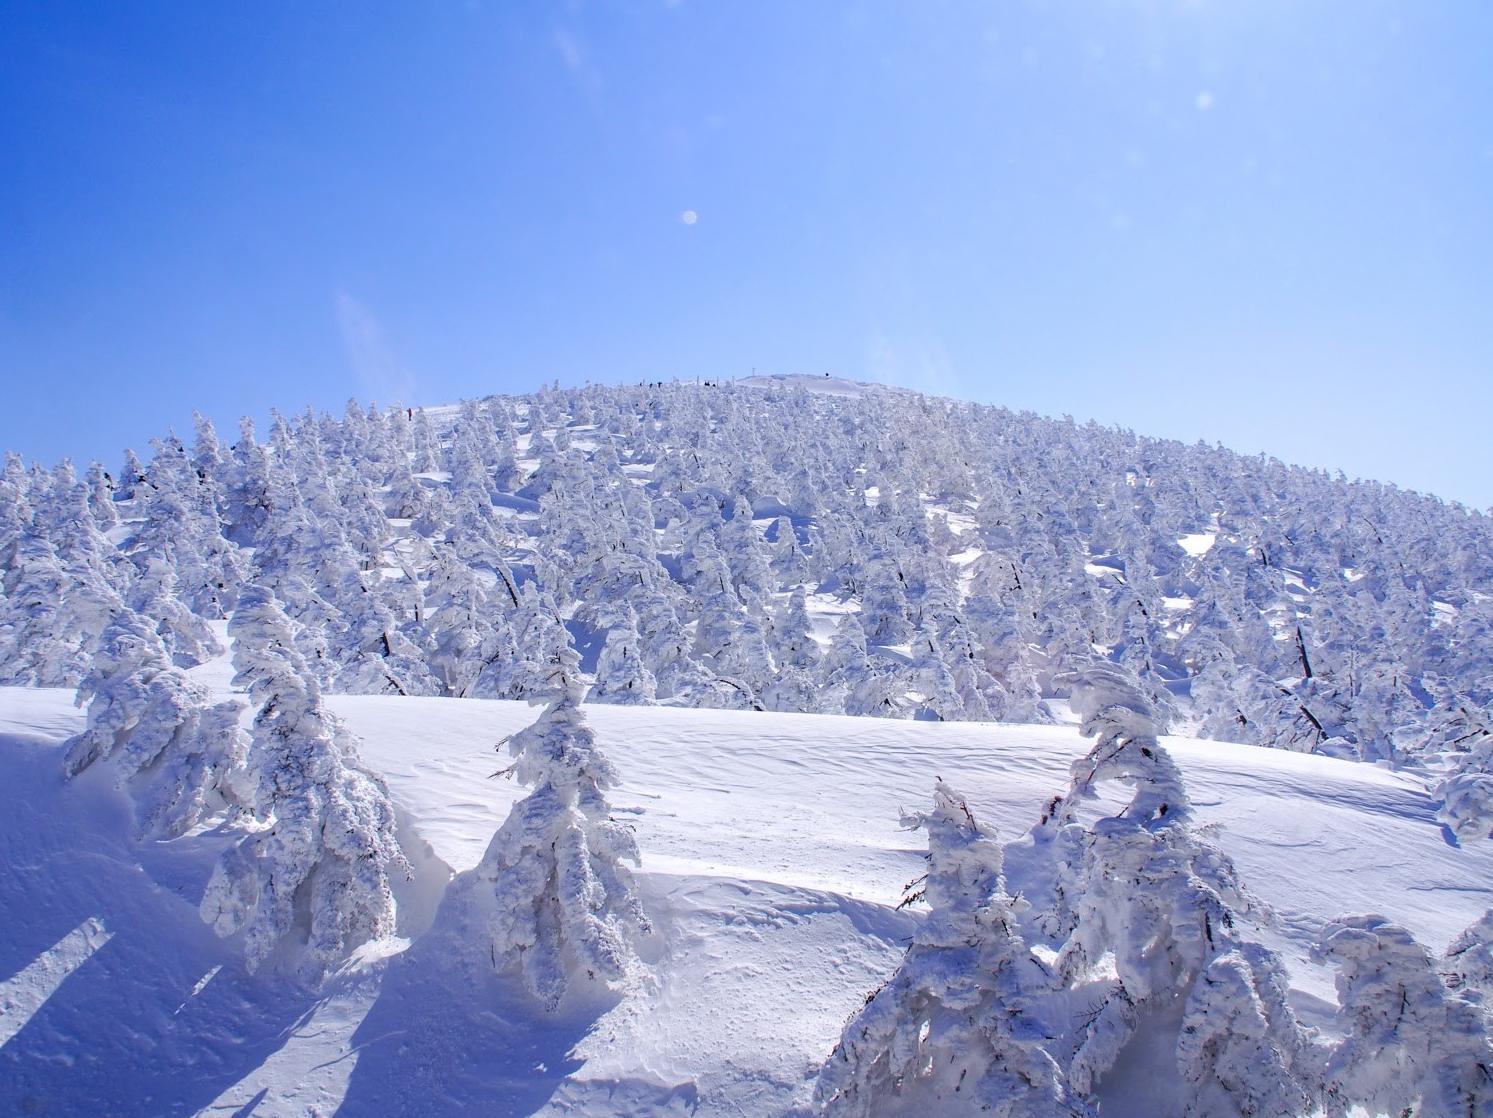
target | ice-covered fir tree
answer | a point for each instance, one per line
(954, 1022)
(559, 900)
(314, 876)
(178, 754)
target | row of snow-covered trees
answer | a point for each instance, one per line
(1135, 937)
(309, 871)
(889, 554)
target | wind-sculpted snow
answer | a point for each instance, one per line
(773, 864)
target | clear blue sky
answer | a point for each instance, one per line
(1261, 222)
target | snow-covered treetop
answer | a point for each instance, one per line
(1123, 724)
(964, 863)
(559, 748)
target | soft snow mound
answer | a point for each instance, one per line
(772, 861)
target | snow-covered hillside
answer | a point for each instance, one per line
(789, 543)
(773, 863)
(849, 794)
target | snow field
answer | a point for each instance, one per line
(772, 864)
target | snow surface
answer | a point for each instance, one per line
(824, 385)
(1197, 543)
(772, 862)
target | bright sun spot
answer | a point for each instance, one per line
(689, 217)
(1204, 101)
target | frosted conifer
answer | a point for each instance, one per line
(954, 1021)
(560, 901)
(316, 875)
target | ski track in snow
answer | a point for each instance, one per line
(772, 864)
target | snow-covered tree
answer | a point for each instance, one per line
(56, 604)
(954, 1021)
(980, 694)
(185, 635)
(678, 677)
(884, 600)
(1352, 619)
(1412, 1047)
(179, 755)
(539, 638)
(1240, 1050)
(558, 897)
(1140, 896)
(746, 553)
(101, 496)
(462, 621)
(622, 676)
(851, 684)
(936, 683)
(1468, 965)
(252, 490)
(792, 643)
(1466, 792)
(183, 526)
(315, 874)
(378, 656)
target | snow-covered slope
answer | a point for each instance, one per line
(684, 559)
(948, 560)
(773, 863)
(824, 384)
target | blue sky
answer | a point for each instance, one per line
(1264, 223)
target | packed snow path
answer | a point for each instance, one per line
(772, 865)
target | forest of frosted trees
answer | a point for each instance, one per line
(766, 547)
(763, 547)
